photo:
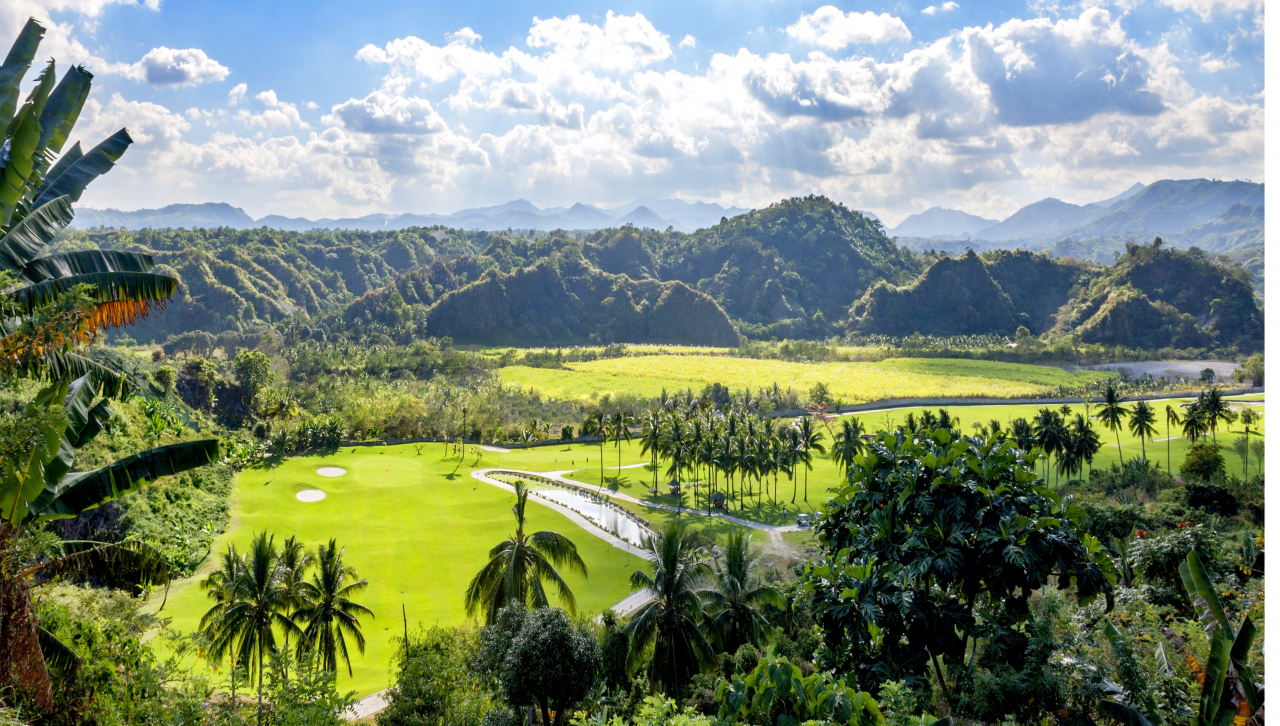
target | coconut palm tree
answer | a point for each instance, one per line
(736, 593)
(1194, 422)
(328, 614)
(595, 425)
(848, 443)
(1112, 414)
(518, 566)
(251, 605)
(651, 423)
(810, 441)
(1171, 418)
(1215, 409)
(672, 622)
(1142, 423)
(619, 428)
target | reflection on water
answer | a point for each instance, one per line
(608, 518)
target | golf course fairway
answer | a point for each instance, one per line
(416, 525)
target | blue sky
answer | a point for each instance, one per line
(340, 108)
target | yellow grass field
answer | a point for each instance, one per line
(849, 382)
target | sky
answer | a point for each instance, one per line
(335, 109)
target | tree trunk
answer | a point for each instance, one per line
(546, 715)
(22, 665)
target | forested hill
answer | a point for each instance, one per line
(1153, 297)
(801, 268)
(791, 269)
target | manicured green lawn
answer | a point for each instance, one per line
(418, 527)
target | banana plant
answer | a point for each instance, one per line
(1229, 689)
(50, 305)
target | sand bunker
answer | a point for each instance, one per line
(310, 495)
(331, 471)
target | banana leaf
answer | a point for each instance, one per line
(28, 238)
(77, 176)
(1215, 699)
(24, 140)
(57, 653)
(63, 108)
(86, 490)
(132, 561)
(70, 366)
(84, 262)
(1240, 661)
(1122, 713)
(106, 287)
(15, 67)
(1196, 579)
(73, 155)
(83, 423)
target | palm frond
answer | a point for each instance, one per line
(559, 549)
(122, 297)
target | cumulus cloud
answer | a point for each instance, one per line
(236, 95)
(1209, 64)
(171, 67)
(828, 27)
(1208, 8)
(688, 41)
(276, 114)
(946, 7)
(985, 118)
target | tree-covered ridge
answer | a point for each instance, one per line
(565, 301)
(971, 294)
(781, 266)
(1155, 294)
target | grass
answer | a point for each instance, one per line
(849, 382)
(416, 525)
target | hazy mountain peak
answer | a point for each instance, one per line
(940, 222)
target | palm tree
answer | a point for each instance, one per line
(733, 600)
(594, 425)
(1170, 419)
(329, 615)
(810, 441)
(672, 622)
(519, 564)
(295, 560)
(1215, 409)
(620, 430)
(220, 585)
(651, 439)
(1142, 423)
(1049, 434)
(249, 609)
(1194, 424)
(1112, 414)
(848, 443)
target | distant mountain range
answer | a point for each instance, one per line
(518, 214)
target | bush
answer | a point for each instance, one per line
(1204, 461)
(1107, 521)
(164, 377)
(1157, 558)
(1135, 474)
(1212, 499)
(550, 664)
(437, 684)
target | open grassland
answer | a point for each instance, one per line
(647, 376)
(418, 526)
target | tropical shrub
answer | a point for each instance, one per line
(436, 682)
(1203, 462)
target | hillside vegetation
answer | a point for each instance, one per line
(804, 268)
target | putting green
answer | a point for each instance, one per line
(417, 526)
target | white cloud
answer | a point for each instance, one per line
(170, 67)
(688, 41)
(1208, 8)
(828, 27)
(985, 118)
(236, 95)
(946, 8)
(1209, 64)
(276, 115)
